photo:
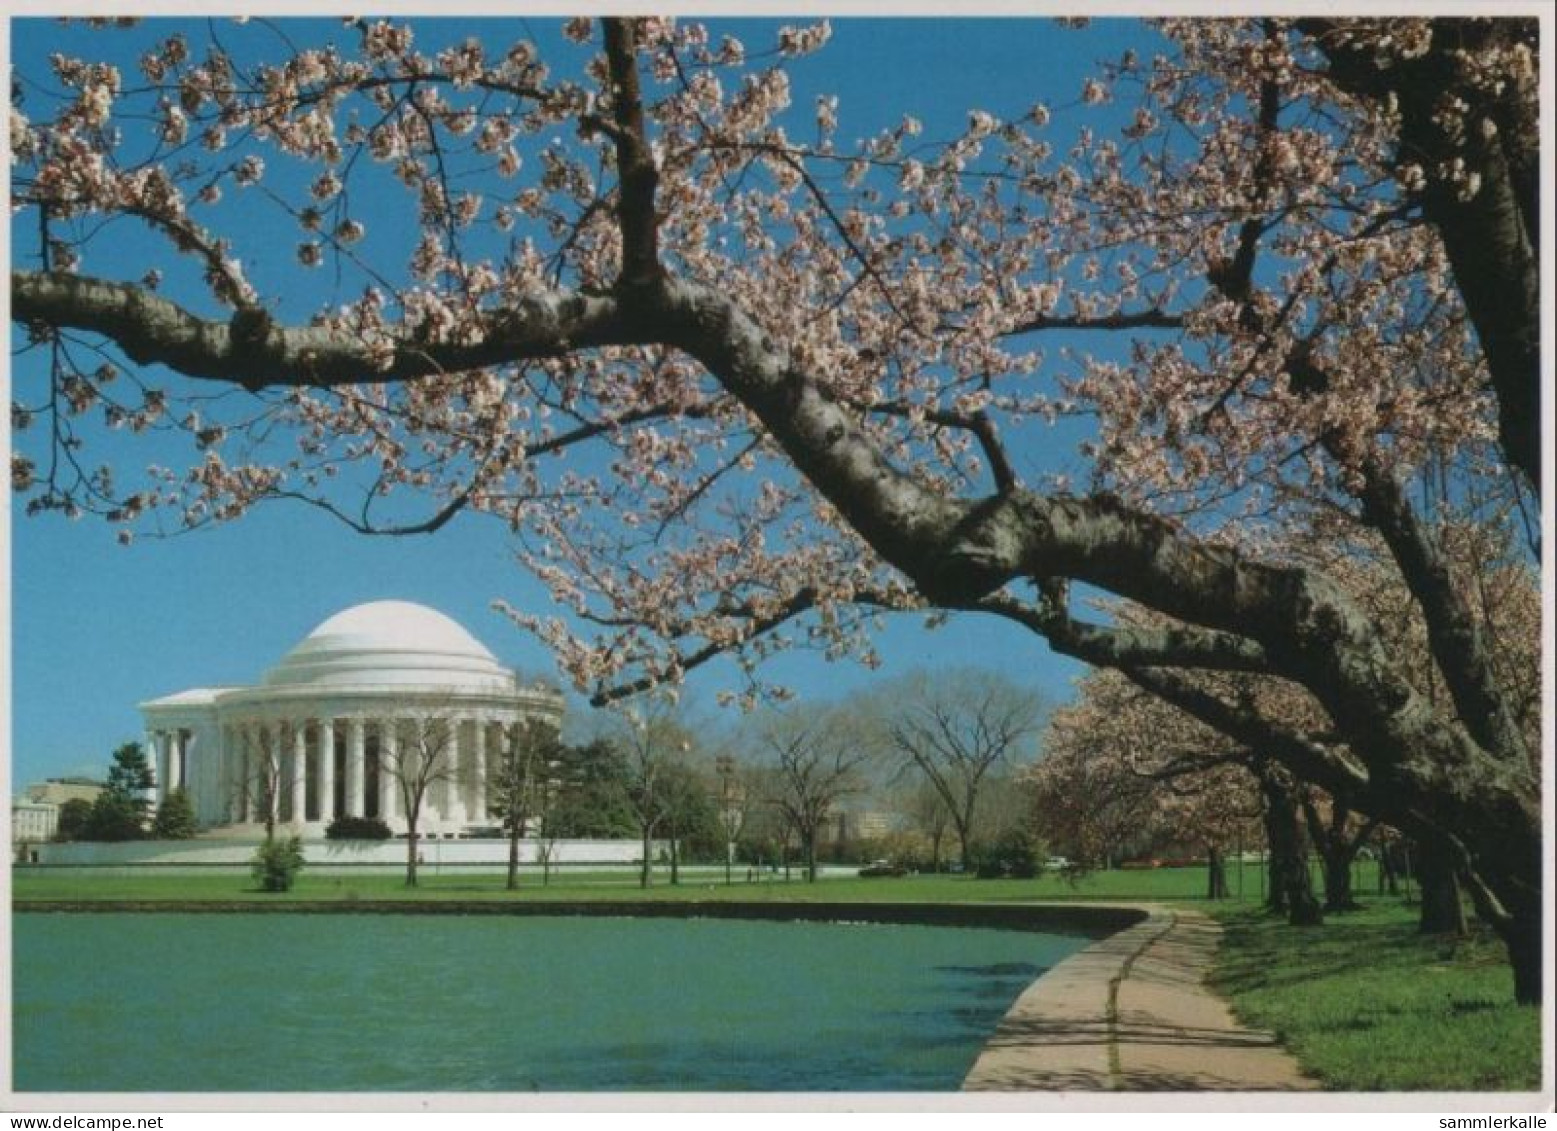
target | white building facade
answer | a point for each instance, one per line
(33, 822)
(343, 722)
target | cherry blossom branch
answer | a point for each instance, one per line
(1455, 638)
(1479, 187)
(257, 352)
(1303, 756)
(462, 499)
(757, 624)
(866, 266)
(1137, 320)
(980, 423)
(634, 160)
(1192, 764)
(1179, 646)
(1453, 635)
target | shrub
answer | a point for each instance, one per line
(1013, 854)
(357, 828)
(175, 818)
(277, 862)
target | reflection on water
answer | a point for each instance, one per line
(354, 1003)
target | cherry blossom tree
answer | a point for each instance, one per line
(1123, 771)
(1338, 834)
(737, 383)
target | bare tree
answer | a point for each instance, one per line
(818, 758)
(652, 737)
(421, 757)
(735, 799)
(926, 808)
(955, 728)
(257, 787)
(684, 804)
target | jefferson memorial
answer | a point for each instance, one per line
(376, 686)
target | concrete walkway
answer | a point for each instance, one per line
(1132, 1013)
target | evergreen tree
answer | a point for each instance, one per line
(519, 783)
(122, 810)
(115, 817)
(75, 820)
(175, 818)
(592, 801)
(131, 778)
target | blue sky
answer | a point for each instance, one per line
(97, 628)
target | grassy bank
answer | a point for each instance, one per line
(83, 885)
(1367, 1004)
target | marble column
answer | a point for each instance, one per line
(245, 766)
(354, 774)
(175, 745)
(158, 770)
(228, 767)
(326, 770)
(454, 812)
(478, 771)
(196, 773)
(388, 784)
(224, 773)
(299, 772)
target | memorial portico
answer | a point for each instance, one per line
(361, 703)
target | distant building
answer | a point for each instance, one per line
(33, 821)
(314, 736)
(849, 825)
(35, 814)
(57, 791)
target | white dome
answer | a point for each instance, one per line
(391, 643)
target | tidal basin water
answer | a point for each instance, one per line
(434, 1003)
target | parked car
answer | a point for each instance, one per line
(883, 868)
(1056, 864)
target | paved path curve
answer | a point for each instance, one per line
(1132, 1012)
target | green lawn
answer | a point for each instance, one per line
(62, 884)
(1367, 1004)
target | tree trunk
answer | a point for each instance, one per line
(675, 858)
(1389, 879)
(1522, 937)
(1336, 851)
(811, 859)
(1216, 873)
(410, 853)
(1289, 851)
(1275, 890)
(643, 876)
(514, 829)
(1443, 909)
(1338, 878)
